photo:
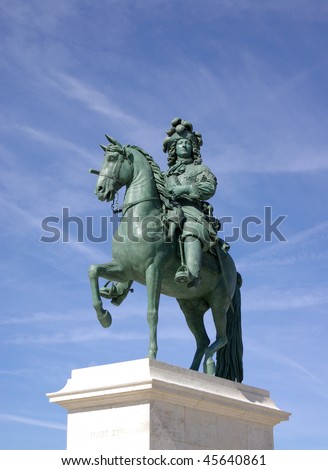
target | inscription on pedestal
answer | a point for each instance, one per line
(107, 433)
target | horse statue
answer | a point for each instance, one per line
(143, 252)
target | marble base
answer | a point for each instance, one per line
(149, 405)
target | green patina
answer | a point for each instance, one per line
(167, 241)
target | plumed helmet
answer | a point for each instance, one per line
(181, 130)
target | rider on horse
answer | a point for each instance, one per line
(190, 184)
(174, 200)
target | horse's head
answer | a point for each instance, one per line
(116, 171)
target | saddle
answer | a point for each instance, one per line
(173, 221)
(174, 218)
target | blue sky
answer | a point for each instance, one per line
(252, 78)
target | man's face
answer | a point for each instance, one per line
(183, 148)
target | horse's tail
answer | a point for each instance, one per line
(230, 357)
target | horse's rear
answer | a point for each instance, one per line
(218, 291)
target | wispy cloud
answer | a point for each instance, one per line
(44, 136)
(13, 373)
(314, 381)
(41, 318)
(234, 158)
(288, 298)
(291, 252)
(32, 422)
(93, 99)
(32, 40)
(44, 192)
(91, 251)
(293, 9)
(53, 141)
(77, 335)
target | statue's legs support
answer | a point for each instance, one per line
(153, 281)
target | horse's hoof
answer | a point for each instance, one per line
(209, 366)
(105, 318)
(152, 354)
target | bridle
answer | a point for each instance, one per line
(118, 183)
(115, 173)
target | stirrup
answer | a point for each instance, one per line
(184, 276)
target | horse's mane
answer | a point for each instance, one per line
(163, 193)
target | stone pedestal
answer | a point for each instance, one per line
(149, 405)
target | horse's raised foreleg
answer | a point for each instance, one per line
(194, 311)
(153, 281)
(109, 271)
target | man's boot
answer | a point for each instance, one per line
(188, 273)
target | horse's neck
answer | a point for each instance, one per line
(142, 191)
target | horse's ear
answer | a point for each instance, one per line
(112, 140)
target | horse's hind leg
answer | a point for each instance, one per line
(194, 313)
(219, 303)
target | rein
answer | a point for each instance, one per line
(125, 207)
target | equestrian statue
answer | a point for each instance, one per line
(167, 240)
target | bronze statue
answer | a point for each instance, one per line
(190, 183)
(173, 248)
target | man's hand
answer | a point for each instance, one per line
(180, 190)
